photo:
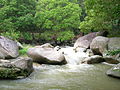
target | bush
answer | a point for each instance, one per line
(65, 35)
(24, 50)
(113, 52)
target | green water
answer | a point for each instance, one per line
(68, 77)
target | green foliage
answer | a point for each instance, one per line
(11, 34)
(113, 52)
(61, 19)
(26, 36)
(101, 15)
(12, 73)
(47, 35)
(57, 36)
(57, 16)
(8, 73)
(16, 16)
(24, 50)
(66, 35)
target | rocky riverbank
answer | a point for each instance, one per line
(89, 49)
(12, 66)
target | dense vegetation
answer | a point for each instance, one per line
(57, 20)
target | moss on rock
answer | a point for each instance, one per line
(12, 73)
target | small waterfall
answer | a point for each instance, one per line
(73, 57)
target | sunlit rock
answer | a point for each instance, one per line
(46, 54)
(99, 45)
(8, 48)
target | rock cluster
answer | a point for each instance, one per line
(12, 66)
(89, 49)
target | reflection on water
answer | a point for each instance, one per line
(67, 77)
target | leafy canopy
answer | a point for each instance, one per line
(16, 16)
(101, 15)
(58, 16)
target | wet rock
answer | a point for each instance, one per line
(46, 54)
(93, 59)
(8, 48)
(114, 71)
(18, 68)
(111, 60)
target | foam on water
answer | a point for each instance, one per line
(65, 77)
(73, 57)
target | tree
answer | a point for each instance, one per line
(101, 15)
(58, 16)
(16, 16)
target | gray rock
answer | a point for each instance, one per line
(47, 45)
(117, 57)
(46, 55)
(89, 52)
(8, 48)
(99, 45)
(24, 64)
(93, 59)
(4, 61)
(114, 43)
(84, 42)
(114, 71)
(18, 68)
(111, 60)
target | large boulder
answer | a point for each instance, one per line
(17, 68)
(24, 64)
(8, 48)
(99, 45)
(85, 41)
(93, 59)
(114, 71)
(114, 43)
(46, 54)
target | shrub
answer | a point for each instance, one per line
(113, 52)
(24, 50)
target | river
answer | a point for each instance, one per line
(66, 77)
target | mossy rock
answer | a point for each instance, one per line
(114, 71)
(12, 73)
(16, 69)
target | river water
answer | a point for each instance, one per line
(66, 77)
